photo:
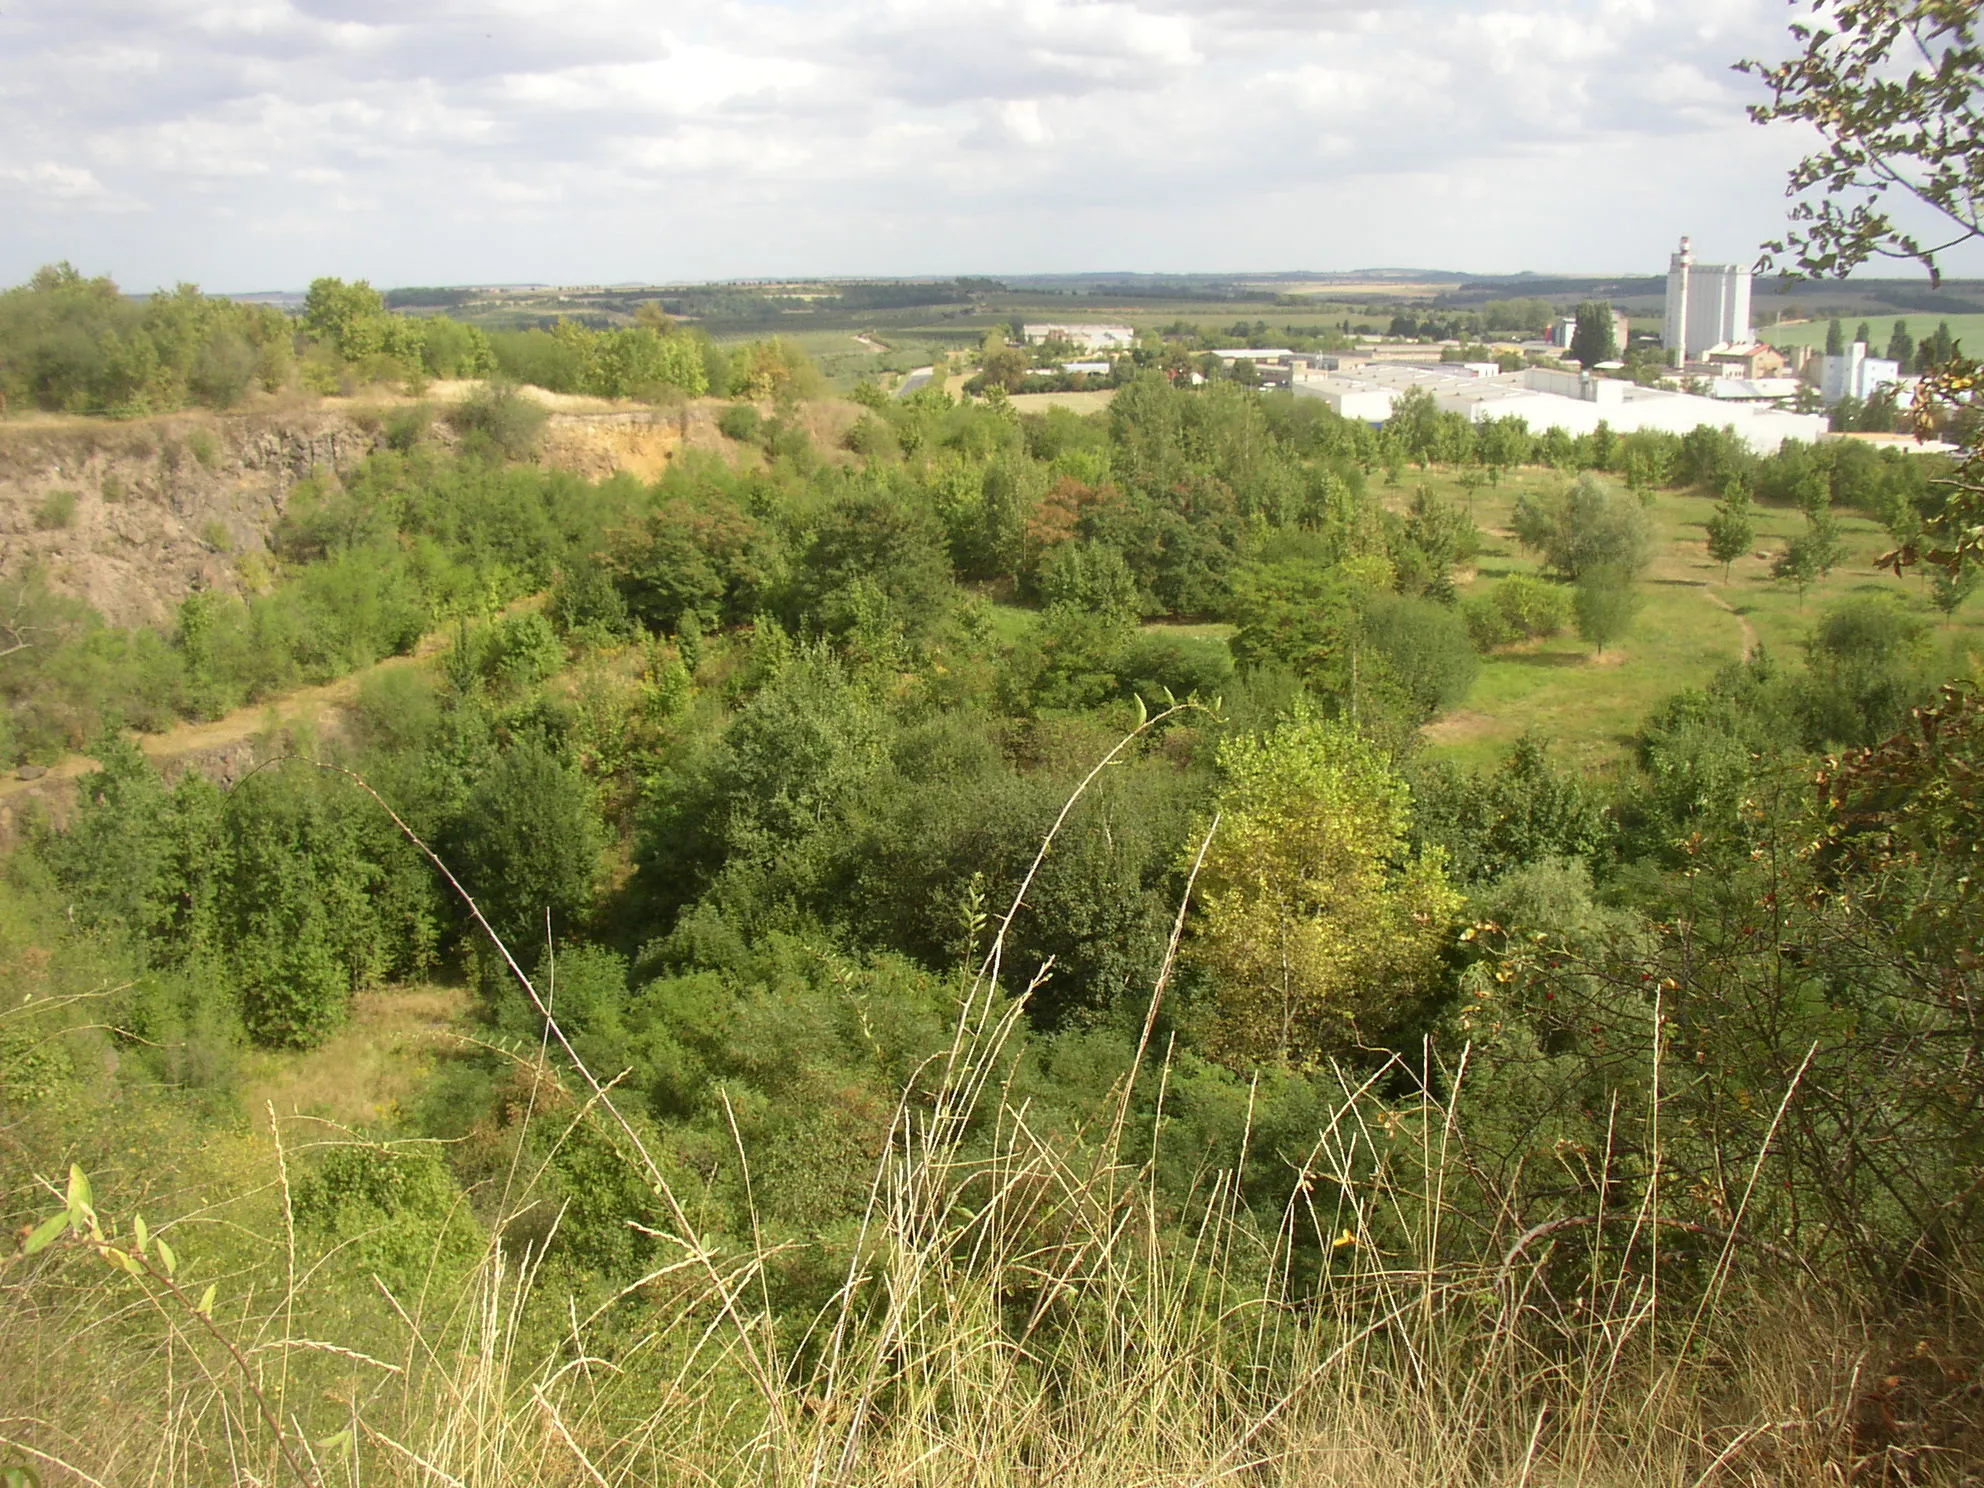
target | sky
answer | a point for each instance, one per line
(255, 144)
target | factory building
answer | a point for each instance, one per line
(1574, 402)
(1082, 337)
(1708, 306)
(1856, 375)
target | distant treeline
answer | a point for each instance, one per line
(79, 345)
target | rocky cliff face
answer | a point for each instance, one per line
(134, 517)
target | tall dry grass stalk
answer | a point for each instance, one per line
(1018, 1308)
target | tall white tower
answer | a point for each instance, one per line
(1708, 305)
(1674, 335)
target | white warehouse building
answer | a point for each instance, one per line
(1087, 337)
(1571, 401)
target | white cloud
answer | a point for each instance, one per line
(54, 185)
(436, 140)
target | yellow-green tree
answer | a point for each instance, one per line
(1316, 926)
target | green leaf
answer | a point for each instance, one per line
(19, 1477)
(45, 1232)
(139, 1231)
(81, 1197)
(335, 1443)
(207, 1300)
(1143, 713)
(167, 1258)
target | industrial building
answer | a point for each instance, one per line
(1083, 337)
(1857, 375)
(1708, 307)
(1575, 402)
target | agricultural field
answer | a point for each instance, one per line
(1968, 329)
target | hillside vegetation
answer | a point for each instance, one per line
(1202, 941)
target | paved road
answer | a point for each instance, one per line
(914, 381)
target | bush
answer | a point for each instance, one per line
(1092, 577)
(1155, 663)
(529, 844)
(520, 651)
(112, 488)
(57, 510)
(1867, 668)
(499, 420)
(741, 422)
(204, 448)
(1520, 608)
(407, 426)
(872, 438)
(1422, 648)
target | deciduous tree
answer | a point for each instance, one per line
(1316, 927)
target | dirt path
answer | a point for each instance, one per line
(211, 742)
(1743, 620)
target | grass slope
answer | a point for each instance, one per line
(1691, 625)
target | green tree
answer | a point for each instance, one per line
(1950, 589)
(1901, 346)
(876, 555)
(1594, 340)
(529, 845)
(1001, 365)
(1315, 927)
(338, 314)
(1606, 603)
(1731, 528)
(1813, 554)
(1301, 615)
(1863, 334)
(1935, 350)
(1440, 537)
(1585, 525)
(1835, 338)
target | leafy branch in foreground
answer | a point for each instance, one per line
(1895, 89)
(1916, 133)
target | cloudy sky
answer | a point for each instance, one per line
(249, 144)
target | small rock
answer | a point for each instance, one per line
(32, 772)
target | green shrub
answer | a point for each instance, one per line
(1520, 608)
(871, 438)
(57, 510)
(497, 419)
(216, 536)
(1421, 651)
(520, 651)
(407, 426)
(204, 448)
(112, 488)
(741, 422)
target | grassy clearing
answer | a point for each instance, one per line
(1692, 624)
(368, 1072)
